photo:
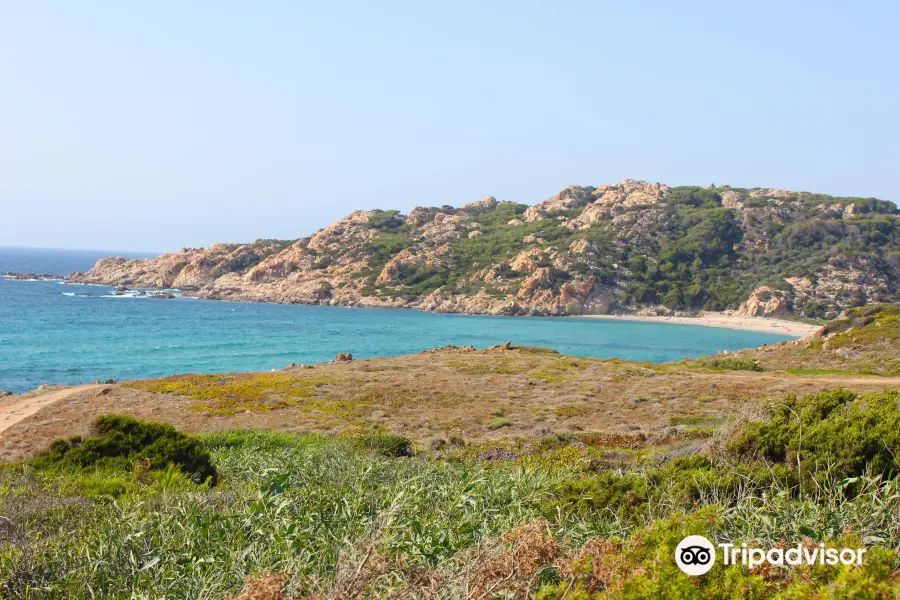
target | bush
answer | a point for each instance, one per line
(391, 446)
(642, 566)
(733, 364)
(677, 485)
(120, 441)
(833, 434)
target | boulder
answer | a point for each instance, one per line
(765, 301)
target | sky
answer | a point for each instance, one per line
(157, 125)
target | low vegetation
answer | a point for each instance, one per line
(827, 437)
(553, 516)
(120, 441)
(237, 392)
(863, 341)
(390, 446)
(732, 364)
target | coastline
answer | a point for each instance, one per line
(719, 320)
(723, 321)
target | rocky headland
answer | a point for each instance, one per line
(631, 247)
(30, 276)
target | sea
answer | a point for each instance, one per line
(53, 332)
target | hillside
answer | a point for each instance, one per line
(627, 247)
(862, 341)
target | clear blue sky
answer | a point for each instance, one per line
(156, 125)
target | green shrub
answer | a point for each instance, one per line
(499, 423)
(677, 485)
(391, 446)
(642, 566)
(833, 434)
(120, 441)
(733, 364)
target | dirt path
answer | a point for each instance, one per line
(17, 408)
(843, 380)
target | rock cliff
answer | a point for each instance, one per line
(586, 250)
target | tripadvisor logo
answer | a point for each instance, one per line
(696, 555)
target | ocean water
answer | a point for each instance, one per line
(52, 332)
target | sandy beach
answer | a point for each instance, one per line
(717, 319)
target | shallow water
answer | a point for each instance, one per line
(57, 333)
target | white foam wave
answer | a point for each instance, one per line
(141, 294)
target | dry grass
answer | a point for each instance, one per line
(433, 394)
(267, 586)
(511, 566)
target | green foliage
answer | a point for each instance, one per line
(389, 446)
(499, 423)
(290, 504)
(499, 241)
(385, 220)
(120, 440)
(732, 364)
(874, 326)
(695, 196)
(384, 246)
(421, 279)
(679, 485)
(643, 567)
(827, 436)
(299, 505)
(238, 392)
(692, 264)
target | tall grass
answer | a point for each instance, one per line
(286, 504)
(326, 511)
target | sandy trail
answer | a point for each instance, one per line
(16, 408)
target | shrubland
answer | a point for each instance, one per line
(122, 513)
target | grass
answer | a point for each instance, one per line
(239, 392)
(560, 516)
(692, 420)
(562, 370)
(505, 366)
(289, 503)
(864, 342)
(571, 410)
(819, 371)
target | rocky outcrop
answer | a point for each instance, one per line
(765, 302)
(629, 246)
(30, 276)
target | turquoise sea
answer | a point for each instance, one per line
(52, 332)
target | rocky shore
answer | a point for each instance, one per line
(31, 276)
(632, 247)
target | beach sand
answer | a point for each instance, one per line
(717, 319)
